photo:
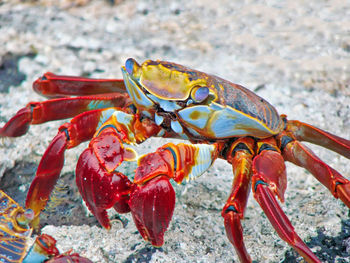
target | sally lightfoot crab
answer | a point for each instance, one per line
(157, 98)
(15, 231)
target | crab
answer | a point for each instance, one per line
(163, 99)
(15, 231)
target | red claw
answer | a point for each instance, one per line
(109, 149)
(152, 165)
(47, 244)
(152, 206)
(101, 190)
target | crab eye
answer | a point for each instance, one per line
(131, 66)
(199, 94)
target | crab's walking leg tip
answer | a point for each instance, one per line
(18, 125)
(100, 189)
(281, 223)
(47, 174)
(234, 233)
(102, 217)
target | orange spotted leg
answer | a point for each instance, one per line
(269, 179)
(240, 156)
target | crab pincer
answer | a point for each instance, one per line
(150, 198)
(152, 206)
(153, 201)
(100, 186)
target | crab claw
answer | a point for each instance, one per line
(18, 124)
(100, 189)
(109, 149)
(152, 206)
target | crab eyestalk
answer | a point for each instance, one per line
(25, 218)
(132, 67)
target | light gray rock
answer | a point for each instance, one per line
(294, 53)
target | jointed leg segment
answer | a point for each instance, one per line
(300, 155)
(53, 86)
(153, 201)
(261, 164)
(269, 179)
(240, 156)
(59, 109)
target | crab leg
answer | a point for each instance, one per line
(299, 154)
(51, 85)
(153, 201)
(79, 129)
(50, 110)
(240, 156)
(269, 179)
(306, 132)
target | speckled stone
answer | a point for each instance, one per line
(293, 53)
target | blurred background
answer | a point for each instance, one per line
(295, 54)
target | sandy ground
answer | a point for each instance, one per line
(296, 54)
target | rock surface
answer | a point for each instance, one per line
(296, 54)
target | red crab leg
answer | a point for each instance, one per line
(306, 132)
(51, 85)
(269, 179)
(240, 156)
(79, 129)
(50, 110)
(154, 194)
(299, 154)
